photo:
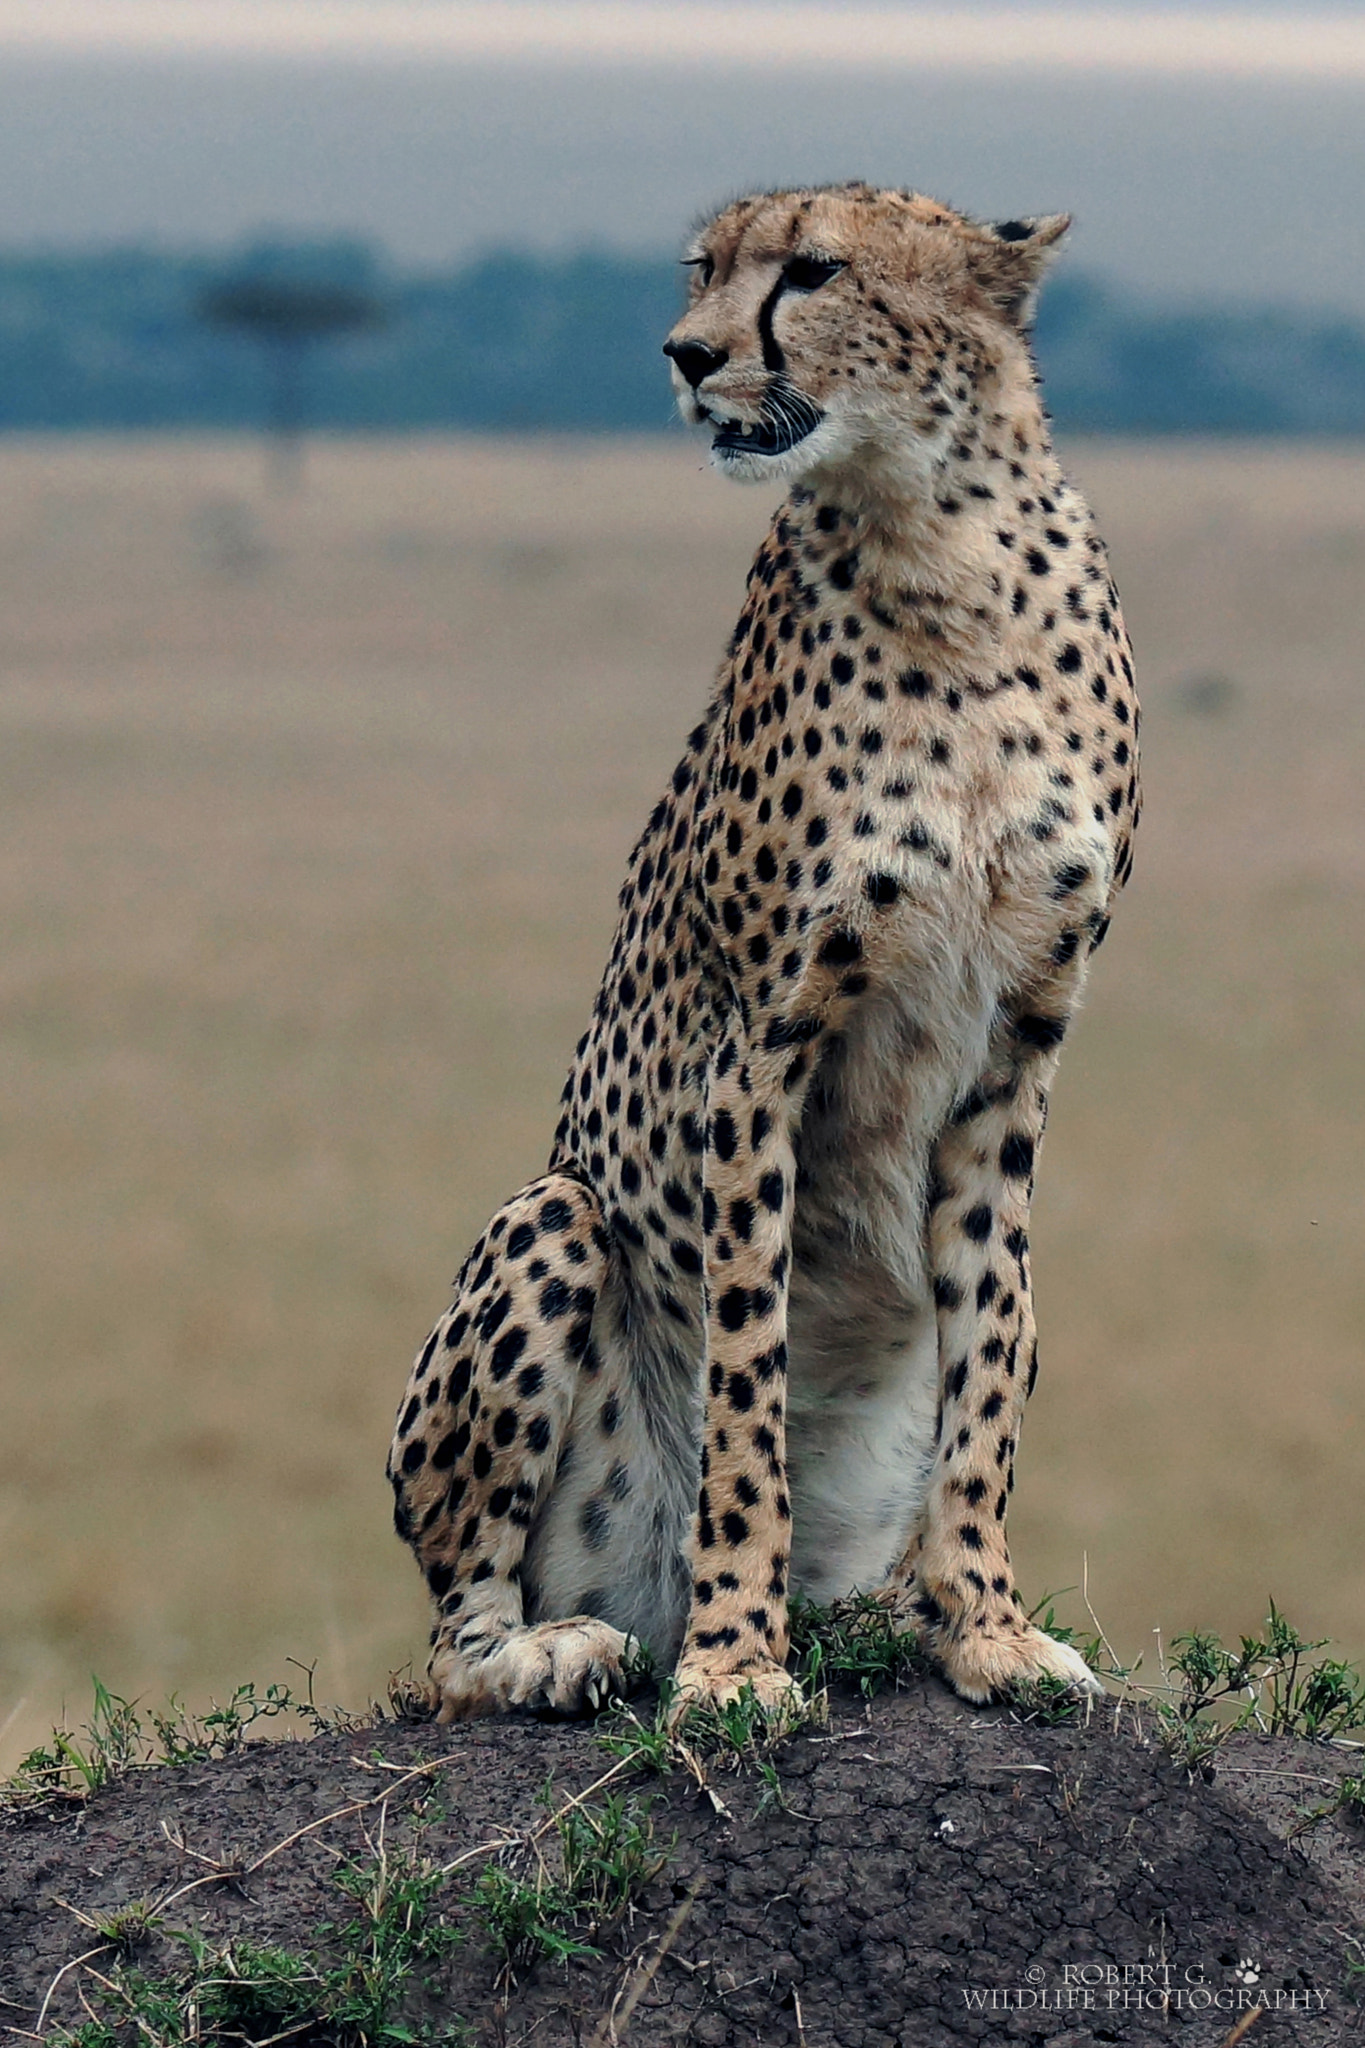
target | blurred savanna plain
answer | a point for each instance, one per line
(314, 812)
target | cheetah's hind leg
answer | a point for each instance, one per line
(484, 1418)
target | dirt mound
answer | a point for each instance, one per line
(913, 1873)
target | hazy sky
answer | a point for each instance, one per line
(1203, 151)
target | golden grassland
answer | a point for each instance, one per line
(314, 811)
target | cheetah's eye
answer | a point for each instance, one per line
(808, 273)
(704, 266)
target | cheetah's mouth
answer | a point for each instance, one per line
(787, 418)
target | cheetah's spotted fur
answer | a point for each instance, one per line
(767, 1321)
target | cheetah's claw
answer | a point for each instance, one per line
(560, 1667)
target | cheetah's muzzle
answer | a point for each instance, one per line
(788, 418)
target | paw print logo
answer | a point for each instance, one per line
(1246, 1972)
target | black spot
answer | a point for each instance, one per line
(724, 1137)
(734, 1528)
(555, 1299)
(841, 949)
(790, 1031)
(509, 1348)
(579, 1338)
(414, 1457)
(556, 1215)
(1040, 1032)
(520, 1241)
(1016, 1156)
(947, 1293)
(449, 1448)
(618, 1480)
(538, 1434)
(977, 1223)
(595, 1522)
(741, 1391)
(881, 890)
(496, 1314)
(733, 1308)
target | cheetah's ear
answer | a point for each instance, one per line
(1009, 257)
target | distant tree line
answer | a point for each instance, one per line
(515, 341)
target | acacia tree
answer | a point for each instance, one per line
(287, 319)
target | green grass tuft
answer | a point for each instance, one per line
(351, 1994)
(119, 1737)
(553, 1908)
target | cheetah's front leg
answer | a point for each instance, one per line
(957, 1576)
(484, 1419)
(741, 1542)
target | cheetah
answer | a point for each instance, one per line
(766, 1323)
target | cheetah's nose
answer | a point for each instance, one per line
(695, 359)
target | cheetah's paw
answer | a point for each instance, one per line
(982, 1667)
(566, 1667)
(776, 1697)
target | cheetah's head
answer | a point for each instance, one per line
(842, 325)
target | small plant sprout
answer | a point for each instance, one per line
(351, 1993)
(858, 1641)
(120, 1737)
(1274, 1682)
(554, 1907)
